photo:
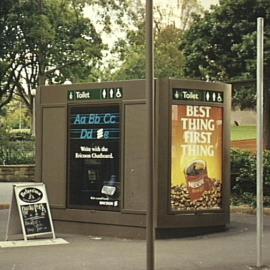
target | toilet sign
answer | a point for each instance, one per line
(198, 95)
(95, 94)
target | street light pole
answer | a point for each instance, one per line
(260, 29)
(33, 94)
(150, 97)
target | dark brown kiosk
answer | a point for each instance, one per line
(92, 154)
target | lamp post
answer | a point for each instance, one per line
(150, 97)
(20, 123)
(260, 36)
(33, 94)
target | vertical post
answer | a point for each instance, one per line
(260, 29)
(150, 102)
(20, 124)
(34, 117)
(33, 93)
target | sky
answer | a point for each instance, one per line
(207, 3)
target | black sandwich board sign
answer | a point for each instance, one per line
(30, 204)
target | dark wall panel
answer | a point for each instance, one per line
(136, 155)
(54, 154)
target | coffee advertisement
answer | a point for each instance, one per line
(196, 157)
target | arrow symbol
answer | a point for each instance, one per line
(70, 95)
(176, 95)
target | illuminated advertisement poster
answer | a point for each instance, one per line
(196, 157)
(94, 157)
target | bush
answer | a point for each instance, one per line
(20, 134)
(17, 152)
(15, 149)
(243, 180)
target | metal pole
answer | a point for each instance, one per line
(20, 124)
(150, 231)
(33, 93)
(260, 29)
(34, 117)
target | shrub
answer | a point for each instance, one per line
(20, 134)
(16, 150)
(243, 180)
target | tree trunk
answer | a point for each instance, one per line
(41, 79)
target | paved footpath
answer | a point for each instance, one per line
(5, 193)
(234, 249)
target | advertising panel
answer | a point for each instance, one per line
(196, 157)
(94, 157)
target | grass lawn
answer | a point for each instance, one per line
(243, 133)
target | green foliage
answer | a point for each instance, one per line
(16, 148)
(244, 97)
(17, 115)
(221, 44)
(243, 171)
(17, 145)
(20, 135)
(49, 41)
(168, 62)
(3, 113)
(169, 28)
(17, 152)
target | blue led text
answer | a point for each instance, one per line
(94, 118)
(91, 134)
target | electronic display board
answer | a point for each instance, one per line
(94, 157)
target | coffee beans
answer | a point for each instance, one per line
(211, 199)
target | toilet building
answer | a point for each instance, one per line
(93, 156)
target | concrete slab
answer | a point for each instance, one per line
(3, 223)
(32, 243)
(234, 249)
(6, 191)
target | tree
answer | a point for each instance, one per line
(178, 14)
(48, 41)
(132, 53)
(169, 26)
(8, 53)
(17, 116)
(221, 45)
(244, 96)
